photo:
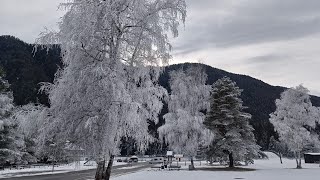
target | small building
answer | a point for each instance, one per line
(178, 157)
(312, 157)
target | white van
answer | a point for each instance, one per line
(157, 160)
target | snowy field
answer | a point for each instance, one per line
(268, 169)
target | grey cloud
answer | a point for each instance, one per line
(26, 19)
(251, 22)
(268, 58)
(263, 30)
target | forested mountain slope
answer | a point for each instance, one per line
(25, 70)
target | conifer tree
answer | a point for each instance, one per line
(8, 151)
(230, 124)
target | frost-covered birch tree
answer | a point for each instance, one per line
(29, 119)
(230, 124)
(279, 148)
(108, 86)
(183, 129)
(294, 119)
(29, 122)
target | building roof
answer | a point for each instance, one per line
(313, 153)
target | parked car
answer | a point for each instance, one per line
(119, 160)
(133, 159)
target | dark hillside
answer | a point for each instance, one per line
(25, 71)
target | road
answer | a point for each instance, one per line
(85, 174)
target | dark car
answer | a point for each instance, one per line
(133, 159)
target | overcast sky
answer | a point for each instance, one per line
(272, 40)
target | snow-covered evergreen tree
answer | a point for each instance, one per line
(294, 119)
(108, 87)
(230, 124)
(189, 99)
(10, 143)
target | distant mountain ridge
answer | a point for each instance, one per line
(25, 71)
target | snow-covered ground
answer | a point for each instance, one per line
(48, 169)
(267, 169)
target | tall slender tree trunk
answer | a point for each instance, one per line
(108, 170)
(231, 161)
(100, 170)
(192, 164)
(299, 158)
